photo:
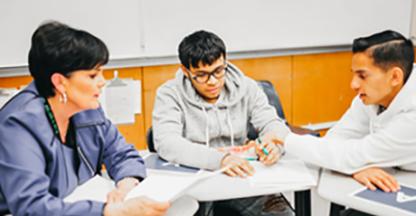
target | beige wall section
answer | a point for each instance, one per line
(321, 90)
(277, 70)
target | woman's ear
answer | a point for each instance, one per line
(59, 82)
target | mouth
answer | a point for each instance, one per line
(362, 95)
(212, 90)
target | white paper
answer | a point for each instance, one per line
(283, 172)
(168, 187)
(95, 189)
(121, 102)
(159, 187)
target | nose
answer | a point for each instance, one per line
(101, 80)
(212, 80)
(355, 83)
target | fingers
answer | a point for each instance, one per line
(237, 167)
(374, 178)
(389, 181)
(369, 185)
(146, 206)
(115, 196)
(380, 184)
(272, 157)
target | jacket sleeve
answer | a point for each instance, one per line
(121, 159)
(23, 180)
(393, 145)
(168, 139)
(354, 124)
(262, 115)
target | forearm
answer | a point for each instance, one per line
(177, 149)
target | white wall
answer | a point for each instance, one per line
(146, 29)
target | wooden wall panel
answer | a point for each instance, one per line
(321, 87)
(153, 77)
(15, 82)
(134, 133)
(277, 70)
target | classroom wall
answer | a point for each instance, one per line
(313, 88)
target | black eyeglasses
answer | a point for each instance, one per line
(203, 77)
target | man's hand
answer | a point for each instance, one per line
(375, 177)
(124, 186)
(137, 206)
(236, 166)
(271, 143)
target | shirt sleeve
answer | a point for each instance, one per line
(391, 145)
(121, 159)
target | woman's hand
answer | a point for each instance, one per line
(140, 206)
(124, 186)
(375, 177)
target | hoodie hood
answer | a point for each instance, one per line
(234, 89)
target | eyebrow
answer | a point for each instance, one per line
(360, 72)
(201, 71)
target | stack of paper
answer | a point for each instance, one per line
(159, 187)
(95, 189)
(286, 171)
(168, 187)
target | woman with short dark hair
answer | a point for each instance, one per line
(54, 135)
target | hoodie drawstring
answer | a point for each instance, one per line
(230, 125)
(206, 127)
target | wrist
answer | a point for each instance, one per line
(127, 182)
(223, 158)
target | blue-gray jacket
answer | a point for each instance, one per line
(33, 179)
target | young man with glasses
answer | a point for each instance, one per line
(209, 106)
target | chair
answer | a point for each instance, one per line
(274, 101)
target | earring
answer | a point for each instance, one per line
(63, 98)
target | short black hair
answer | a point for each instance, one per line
(200, 47)
(58, 48)
(388, 49)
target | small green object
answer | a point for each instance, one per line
(251, 158)
(258, 140)
(265, 151)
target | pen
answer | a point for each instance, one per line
(258, 140)
(251, 158)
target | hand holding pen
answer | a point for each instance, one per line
(268, 151)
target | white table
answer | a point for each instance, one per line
(222, 187)
(338, 188)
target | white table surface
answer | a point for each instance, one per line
(338, 188)
(222, 187)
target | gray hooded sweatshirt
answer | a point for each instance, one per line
(187, 129)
